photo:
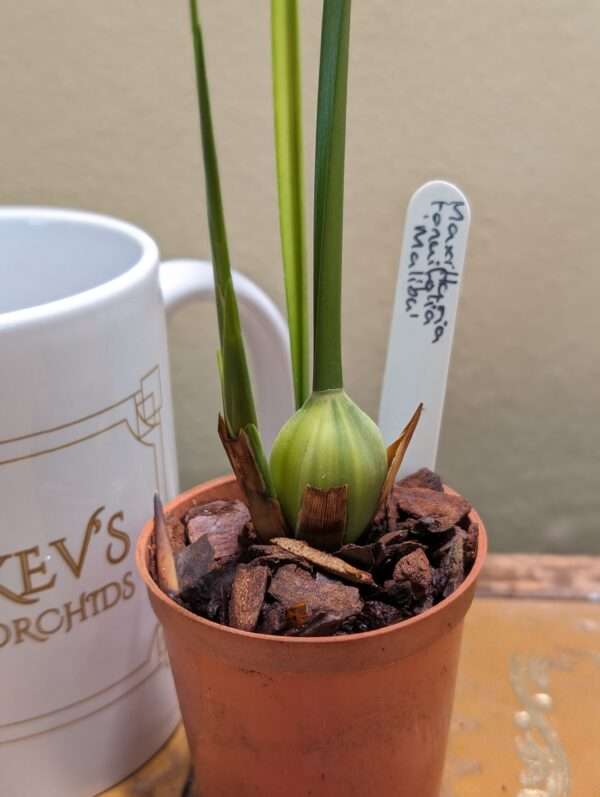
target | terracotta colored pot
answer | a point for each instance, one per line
(332, 716)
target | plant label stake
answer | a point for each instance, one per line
(425, 306)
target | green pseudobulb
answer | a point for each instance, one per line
(330, 442)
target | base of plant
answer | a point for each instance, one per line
(418, 550)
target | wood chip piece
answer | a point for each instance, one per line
(399, 593)
(273, 619)
(423, 478)
(376, 614)
(419, 502)
(452, 566)
(325, 561)
(291, 586)
(415, 568)
(322, 624)
(247, 596)
(362, 556)
(221, 524)
(176, 533)
(297, 615)
(216, 517)
(209, 596)
(471, 544)
(394, 537)
(272, 555)
(194, 562)
(390, 554)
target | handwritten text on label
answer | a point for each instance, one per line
(431, 268)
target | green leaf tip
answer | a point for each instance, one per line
(238, 400)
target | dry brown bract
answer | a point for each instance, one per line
(322, 518)
(166, 572)
(396, 452)
(265, 511)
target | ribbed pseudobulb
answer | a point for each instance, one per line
(330, 442)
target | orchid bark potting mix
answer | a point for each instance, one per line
(418, 550)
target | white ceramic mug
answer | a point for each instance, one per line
(86, 437)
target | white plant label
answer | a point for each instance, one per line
(425, 307)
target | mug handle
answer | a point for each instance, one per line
(265, 332)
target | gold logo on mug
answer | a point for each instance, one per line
(35, 578)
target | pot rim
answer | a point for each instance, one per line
(324, 641)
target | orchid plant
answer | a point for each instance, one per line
(329, 470)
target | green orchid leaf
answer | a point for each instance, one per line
(238, 401)
(329, 194)
(287, 97)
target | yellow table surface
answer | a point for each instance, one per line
(527, 712)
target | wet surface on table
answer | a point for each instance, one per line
(526, 714)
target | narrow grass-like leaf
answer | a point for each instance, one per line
(290, 182)
(329, 194)
(238, 406)
(237, 390)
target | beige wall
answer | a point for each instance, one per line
(98, 111)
